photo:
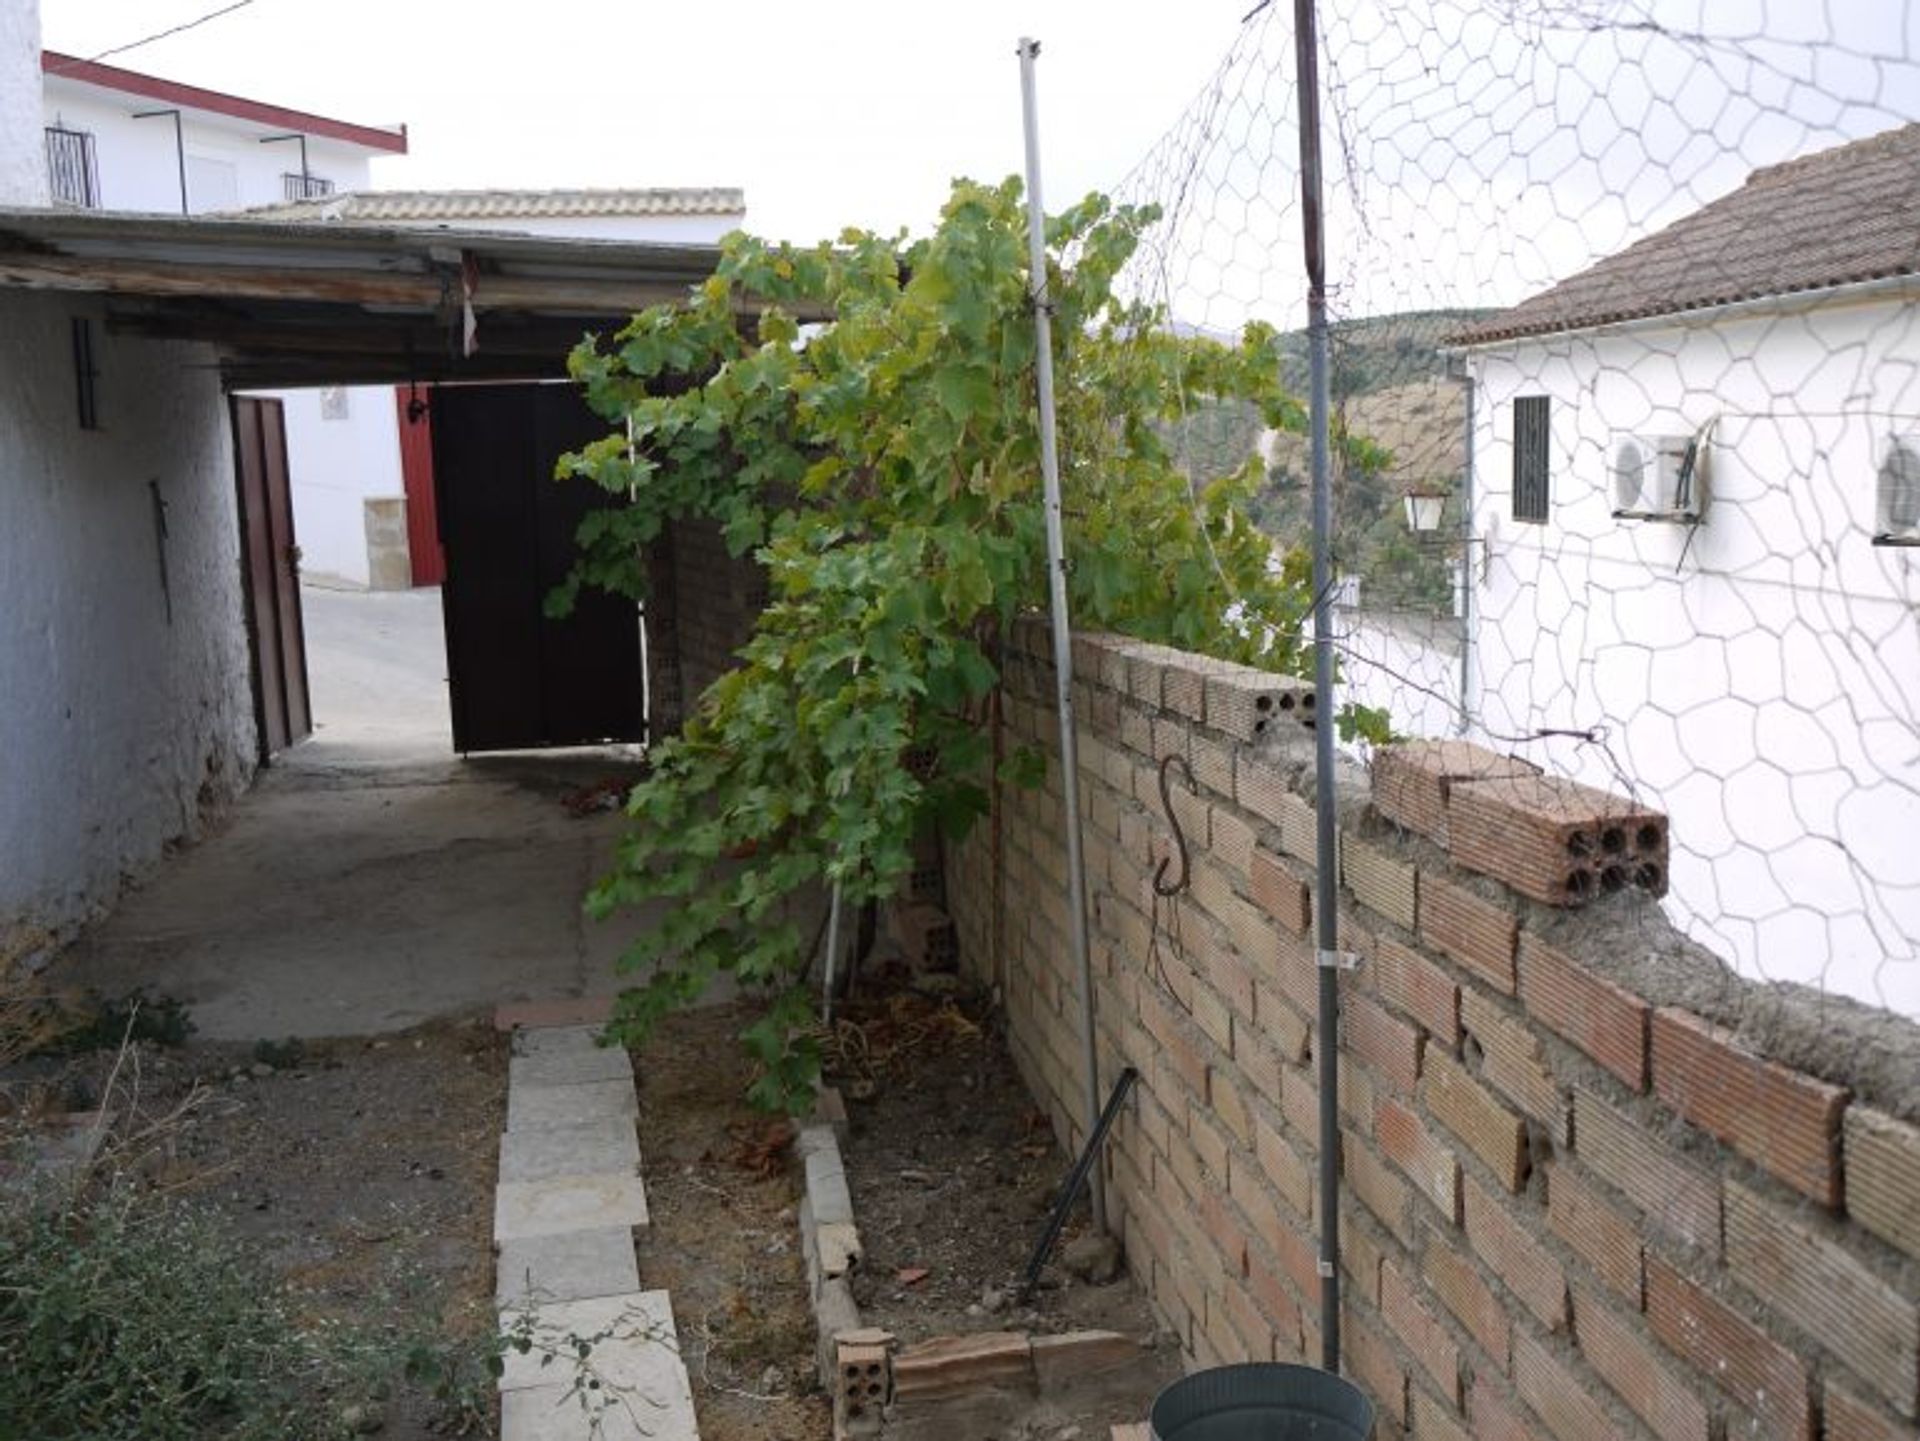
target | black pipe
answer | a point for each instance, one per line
(1326, 856)
(1076, 1181)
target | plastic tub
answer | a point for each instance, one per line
(1261, 1401)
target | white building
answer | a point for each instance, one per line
(150, 627)
(1740, 634)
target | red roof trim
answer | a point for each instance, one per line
(171, 92)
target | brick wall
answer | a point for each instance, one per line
(1571, 1208)
(701, 607)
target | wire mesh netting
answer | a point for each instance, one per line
(1626, 376)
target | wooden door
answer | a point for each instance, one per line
(414, 410)
(519, 679)
(270, 572)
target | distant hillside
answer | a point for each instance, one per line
(1389, 386)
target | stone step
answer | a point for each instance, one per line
(523, 1209)
(634, 1355)
(534, 1105)
(606, 1146)
(567, 1266)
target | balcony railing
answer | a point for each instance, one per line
(306, 187)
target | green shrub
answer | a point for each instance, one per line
(124, 1317)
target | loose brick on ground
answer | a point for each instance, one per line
(1778, 1118)
(951, 1366)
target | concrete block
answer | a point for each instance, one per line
(635, 1355)
(568, 1266)
(586, 1148)
(827, 1188)
(555, 1040)
(568, 1203)
(571, 1068)
(530, 1106)
(553, 1413)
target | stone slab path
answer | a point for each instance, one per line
(569, 1200)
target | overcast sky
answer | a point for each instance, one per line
(828, 112)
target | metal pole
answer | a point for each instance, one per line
(833, 950)
(179, 149)
(1326, 853)
(1464, 720)
(1057, 596)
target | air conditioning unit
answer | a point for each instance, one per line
(1896, 510)
(1661, 477)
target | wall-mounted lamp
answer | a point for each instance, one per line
(1423, 510)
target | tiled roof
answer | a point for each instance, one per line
(468, 206)
(1837, 217)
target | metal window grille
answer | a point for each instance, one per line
(1530, 470)
(305, 187)
(73, 174)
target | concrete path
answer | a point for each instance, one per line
(569, 1201)
(372, 879)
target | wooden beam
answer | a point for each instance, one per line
(123, 277)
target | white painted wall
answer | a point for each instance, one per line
(227, 165)
(1761, 684)
(336, 467)
(122, 730)
(23, 164)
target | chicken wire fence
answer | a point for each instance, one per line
(1625, 371)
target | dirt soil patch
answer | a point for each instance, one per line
(359, 1171)
(723, 1195)
(953, 1172)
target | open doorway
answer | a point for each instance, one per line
(414, 674)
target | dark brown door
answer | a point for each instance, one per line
(518, 679)
(416, 473)
(270, 568)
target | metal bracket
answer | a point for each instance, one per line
(1324, 1269)
(1338, 960)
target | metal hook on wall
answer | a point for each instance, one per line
(1160, 885)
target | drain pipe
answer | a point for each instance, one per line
(1062, 636)
(1326, 852)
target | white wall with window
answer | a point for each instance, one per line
(1758, 673)
(136, 161)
